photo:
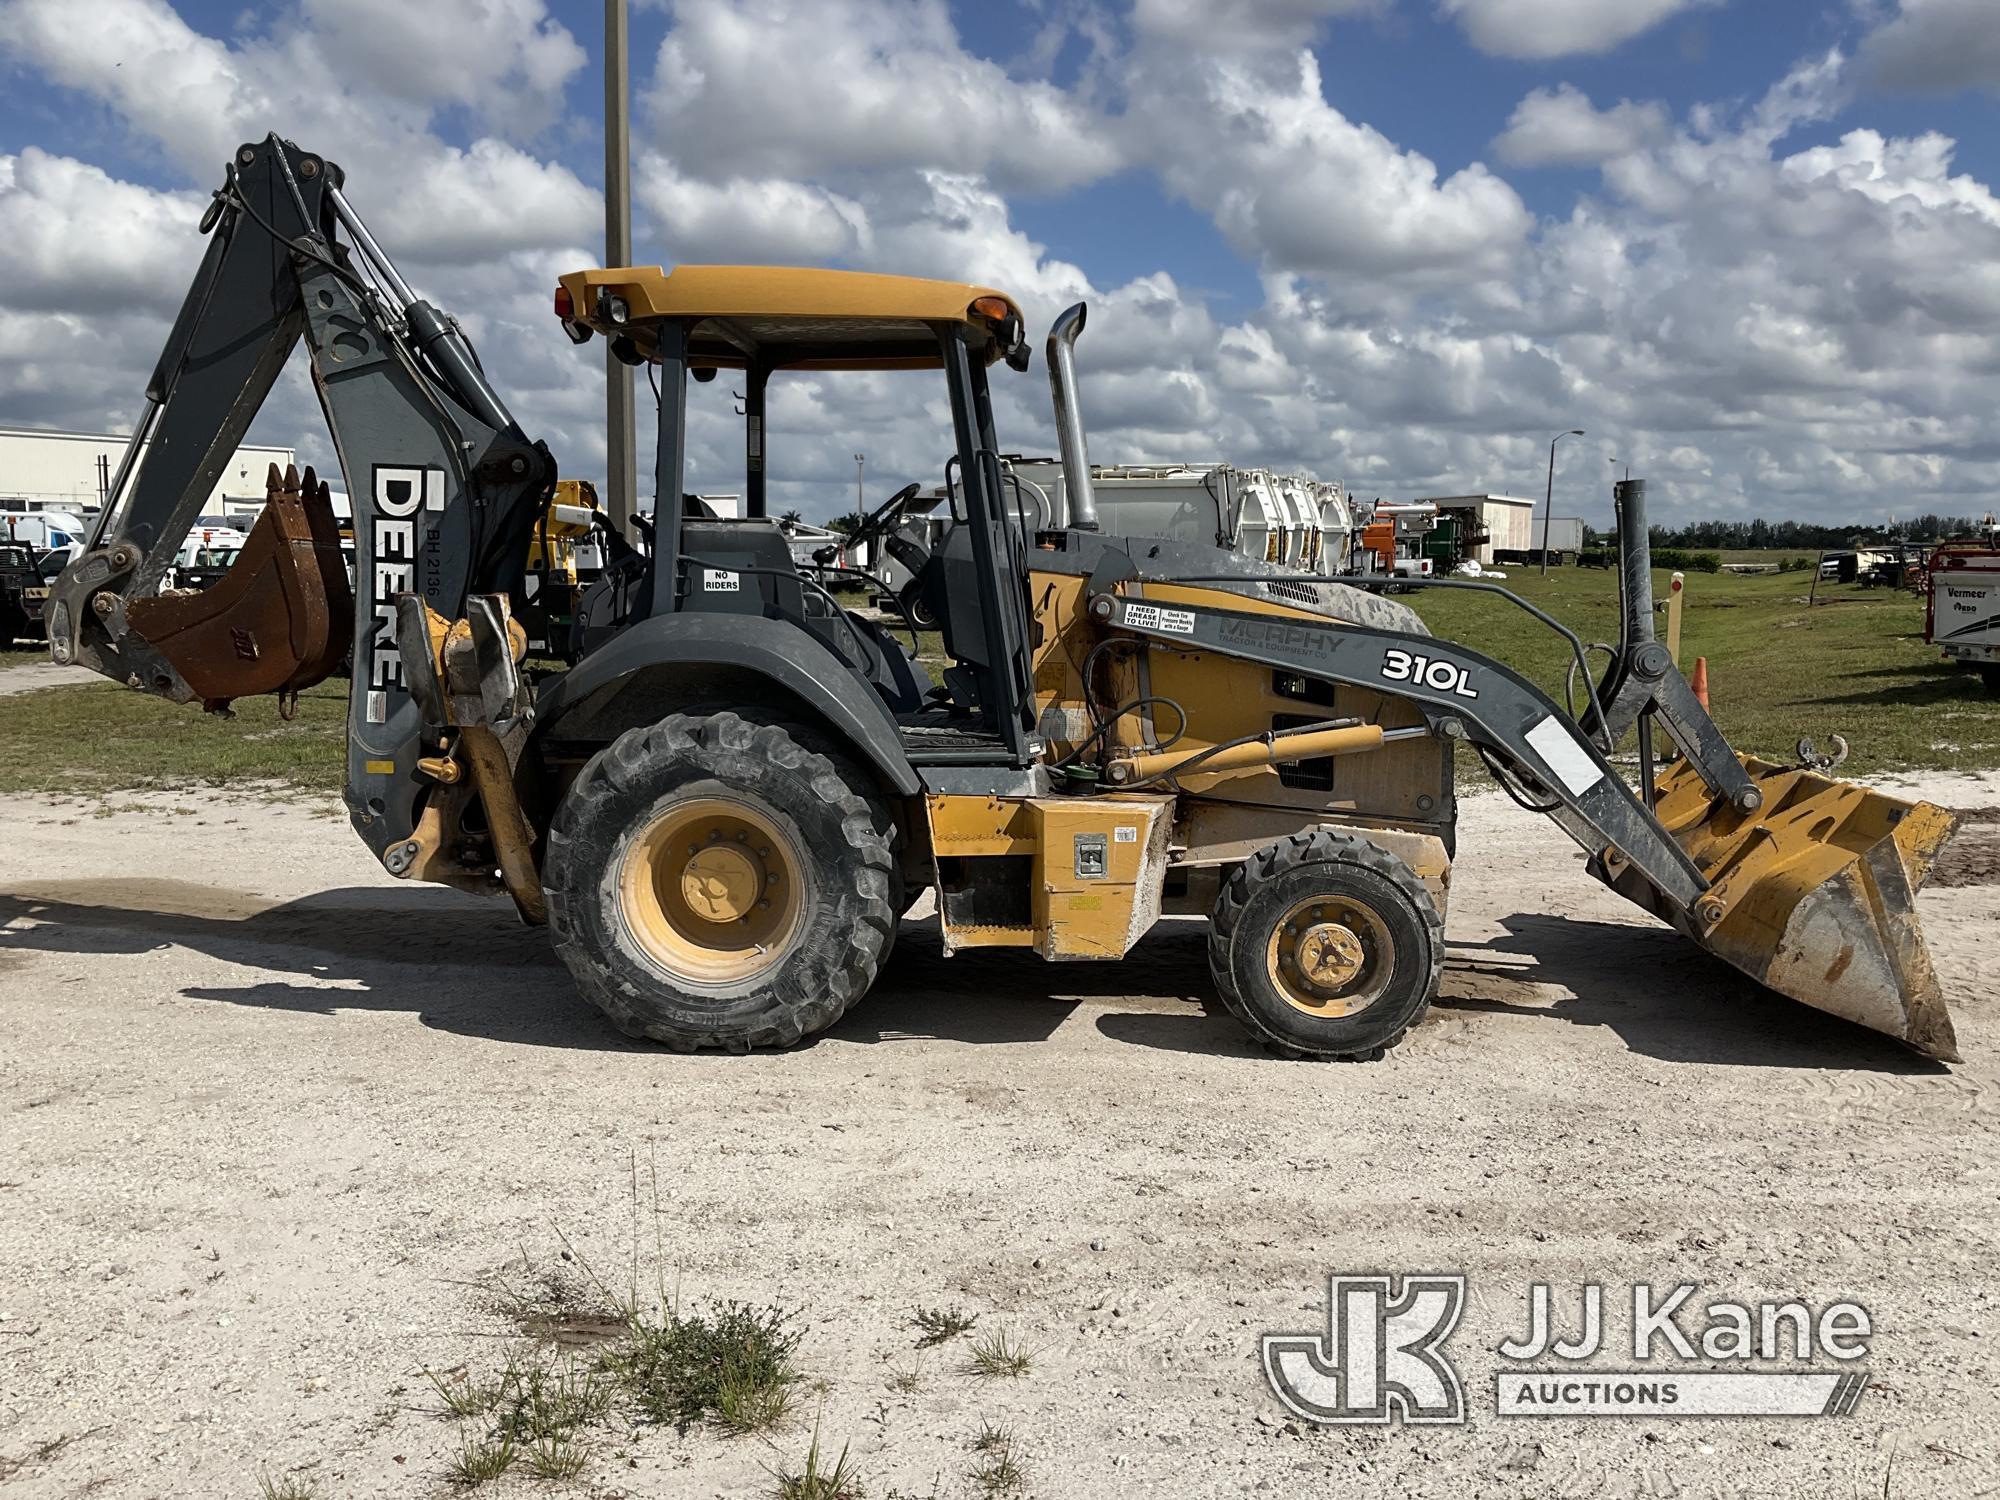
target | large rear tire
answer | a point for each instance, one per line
(1326, 945)
(717, 881)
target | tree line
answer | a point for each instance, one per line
(1808, 535)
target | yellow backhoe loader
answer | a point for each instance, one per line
(725, 804)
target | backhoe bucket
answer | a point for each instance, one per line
(282, 617)
(1814, 894)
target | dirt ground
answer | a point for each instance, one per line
(270, 1118)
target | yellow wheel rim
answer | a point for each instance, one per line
(1331, 956)
(713, 891)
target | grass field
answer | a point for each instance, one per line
(1855, 665)
(100, 737)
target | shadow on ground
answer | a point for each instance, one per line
(1665, 998)
(1922, 684)
(465, 966)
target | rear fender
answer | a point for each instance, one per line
(669, 663)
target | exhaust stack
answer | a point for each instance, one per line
(1069, 419)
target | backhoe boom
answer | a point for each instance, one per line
(444, 484)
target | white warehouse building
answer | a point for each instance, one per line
(43, 470)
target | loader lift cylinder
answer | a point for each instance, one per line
(1635, 561)
(1635, 591)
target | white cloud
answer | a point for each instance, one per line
(1935, 46)
(169, 82)
(508, 60)
(1294, 183)
(1235, 23)
(361, 81)
(452, 206)
(96, 269)
(197, 99)
(1561, 127)
(1559, 28)
(138, 252)
(797, 87)
(747, 220)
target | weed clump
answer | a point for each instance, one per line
(995, 1469)
(819, 1480)
(481, 1458)
(733, 1364)
(937, 1325)
(997, 1356)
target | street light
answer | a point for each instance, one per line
(1549, 500)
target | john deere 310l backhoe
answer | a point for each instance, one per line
(724, 805)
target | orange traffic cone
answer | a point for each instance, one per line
(1699, 682)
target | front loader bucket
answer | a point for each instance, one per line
(1814, 894)
(282, 617)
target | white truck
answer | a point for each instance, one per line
(44, 530)
(1962, 618)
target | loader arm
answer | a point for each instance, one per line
(1464, 695)
(444, 484)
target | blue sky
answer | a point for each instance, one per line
(1751, 245)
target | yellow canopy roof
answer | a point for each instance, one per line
(789, 317)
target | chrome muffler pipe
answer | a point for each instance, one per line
(1069, 419)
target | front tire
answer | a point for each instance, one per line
(718, 882)
(1326, 945)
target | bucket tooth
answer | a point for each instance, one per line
(1815, 893)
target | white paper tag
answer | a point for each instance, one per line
(1563, 755)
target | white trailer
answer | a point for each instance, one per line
(1565, 534)
(1290, 519)
(1963, 616)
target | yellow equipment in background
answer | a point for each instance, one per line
(556, 574)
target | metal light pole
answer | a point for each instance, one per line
(1549, 500)
(860, 503)
(622, 469)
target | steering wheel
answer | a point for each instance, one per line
(873, 522)
(888, 508)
